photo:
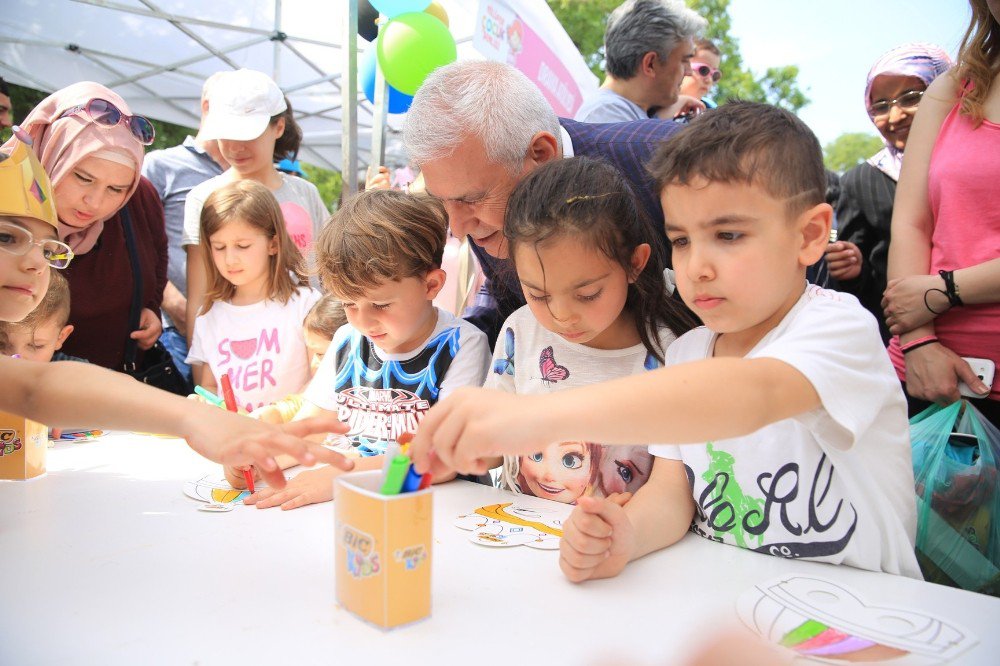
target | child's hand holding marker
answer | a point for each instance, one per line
(598, 538)
(238, 441)
(471, 427)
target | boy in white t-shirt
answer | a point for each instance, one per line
(398, 355)
(793, 425)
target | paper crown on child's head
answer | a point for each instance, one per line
(25, 190)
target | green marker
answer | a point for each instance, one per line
(208, 395)
(396, 475)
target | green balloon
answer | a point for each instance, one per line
(410, 47)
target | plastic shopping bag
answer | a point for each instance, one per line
(955, 456)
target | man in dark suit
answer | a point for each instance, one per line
(477, 128)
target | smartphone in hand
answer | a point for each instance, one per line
(984, 368)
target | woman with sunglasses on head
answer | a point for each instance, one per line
(253, 123)
(92, 147)
(943, 297)
(895, 86)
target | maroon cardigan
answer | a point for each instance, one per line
(100, 282)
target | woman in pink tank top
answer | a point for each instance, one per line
(943, 297)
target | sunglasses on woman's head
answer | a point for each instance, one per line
(103, 112)
(703, 69)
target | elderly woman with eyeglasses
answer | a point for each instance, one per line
(92, 147)
(859, 258)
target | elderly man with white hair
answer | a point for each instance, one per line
(476, 128)
(648, 46)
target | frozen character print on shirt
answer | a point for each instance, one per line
(566, 471)
(381, 399)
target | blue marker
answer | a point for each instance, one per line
(412, 481)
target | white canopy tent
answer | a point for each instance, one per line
(157, 53)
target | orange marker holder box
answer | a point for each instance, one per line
(382, 550)
(23, 446)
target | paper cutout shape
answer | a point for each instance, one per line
(216, 507)
(508, 524)
(825, 622)
(215, 490)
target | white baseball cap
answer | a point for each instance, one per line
(241, 105)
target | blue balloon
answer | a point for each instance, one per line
(393, 8)
(398, 102)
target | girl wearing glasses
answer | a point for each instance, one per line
(943, 297)
(92, 147)
(705, 72)
(858, 260)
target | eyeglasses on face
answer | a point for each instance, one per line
(704, 69)
(18, 241)
(103, 112)
(907, 102)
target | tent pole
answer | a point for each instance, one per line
(349, 102)
(381, 103)
(276, 68)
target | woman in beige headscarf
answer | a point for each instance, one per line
(92, 148)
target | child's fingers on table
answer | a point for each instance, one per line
(574, 559)
(263, 493)
(302, 499)
(590, 525)
(275, 498)
(575, 574)
(582, 543)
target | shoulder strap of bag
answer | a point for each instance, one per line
(131, 346)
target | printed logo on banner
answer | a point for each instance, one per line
(362, 560)
(503, 35)
(9, 442)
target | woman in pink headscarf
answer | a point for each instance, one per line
(895, 86)
(92, 148)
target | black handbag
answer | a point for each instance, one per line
(157, 368)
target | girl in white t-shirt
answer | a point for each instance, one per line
(253, 123)
(598, 309)
(257, 297)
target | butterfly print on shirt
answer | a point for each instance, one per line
(551, 371)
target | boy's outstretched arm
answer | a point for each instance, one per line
(603, 535)
(714, 398)
(51, 393)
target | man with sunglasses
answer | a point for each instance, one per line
(648, 46)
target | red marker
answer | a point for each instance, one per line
(230, 398)
(425, 481)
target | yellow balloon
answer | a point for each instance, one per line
(437, 11)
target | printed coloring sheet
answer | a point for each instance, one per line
(825, 622)
(527, 522)
(216, 492)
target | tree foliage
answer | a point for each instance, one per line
(849, 150)
(584, 21)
